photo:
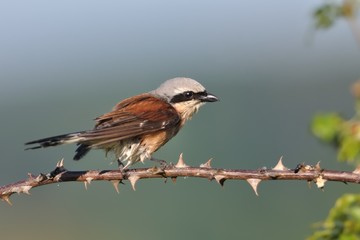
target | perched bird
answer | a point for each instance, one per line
(138, 126)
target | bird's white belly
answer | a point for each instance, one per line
(131, 151)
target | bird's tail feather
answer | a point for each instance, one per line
(81, 151)
(56, 140)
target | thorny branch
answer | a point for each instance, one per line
(253, 177)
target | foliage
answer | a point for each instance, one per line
(343, 222)
(326, 15)
(341, 133)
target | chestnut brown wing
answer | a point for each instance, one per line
(132, 117)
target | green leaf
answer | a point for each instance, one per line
(349, 149)
(326, 126)
(343, 221)
(326, 15)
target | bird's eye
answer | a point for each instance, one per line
(188, 94)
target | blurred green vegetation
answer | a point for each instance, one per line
(342, 134)
(326, 15)
(343, 221)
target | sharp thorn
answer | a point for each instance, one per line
(89, 179)
(6, 198)
(87, 182)
(207, 164)
(181, 163)
(254, 182)
(60, 163)
(280, 166)
(173, 179)
(357, 170)
(116, 185)
(317, 166)
(133, 179)
(220, 179)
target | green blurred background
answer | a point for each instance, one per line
(63, 63)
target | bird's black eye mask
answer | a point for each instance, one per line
(187, 96)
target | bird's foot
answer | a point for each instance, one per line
(122, 168)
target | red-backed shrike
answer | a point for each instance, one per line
(138, 126)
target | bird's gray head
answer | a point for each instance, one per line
(185, 94)
(182, 89)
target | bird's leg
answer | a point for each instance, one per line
(121, 165)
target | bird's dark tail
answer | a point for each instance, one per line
(63, 139)
(56, 140)
(81, 151)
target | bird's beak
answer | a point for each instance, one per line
(209, 98)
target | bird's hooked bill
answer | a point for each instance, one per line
(209, 98)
